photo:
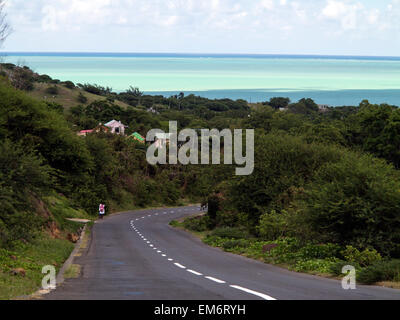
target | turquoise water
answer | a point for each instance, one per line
(330, 80)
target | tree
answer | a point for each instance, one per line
(134, 91)
(377, 129)
(279, 102)
(5, 28)
(304, 106)
(355, 201)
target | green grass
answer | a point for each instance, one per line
(318, 259)
(43, 250)
(66, 97)
(62, 207)
(32, 258)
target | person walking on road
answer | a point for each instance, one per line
(102, 210)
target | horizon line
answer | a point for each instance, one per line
(202, 53)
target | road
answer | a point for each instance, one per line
(138, 256)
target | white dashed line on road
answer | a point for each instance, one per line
(258, 294)
(255, 293)
(215, 280)
(194, 272)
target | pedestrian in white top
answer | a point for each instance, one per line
(102, 210)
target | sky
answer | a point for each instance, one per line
(330, 27)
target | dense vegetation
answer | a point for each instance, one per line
(325, 190)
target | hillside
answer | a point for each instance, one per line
(38, 86)
(67, 97)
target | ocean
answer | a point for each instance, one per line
(331, 80)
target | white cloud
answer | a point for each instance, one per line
(346, 13)
(334, 9)
(220, 24)
(267, 4)
(354, 15)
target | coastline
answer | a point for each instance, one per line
(329, 80)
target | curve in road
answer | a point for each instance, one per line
(137, 255)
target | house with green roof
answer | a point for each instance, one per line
(138, 137)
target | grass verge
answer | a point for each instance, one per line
(325, 260)
(21, 264)
(29, 259)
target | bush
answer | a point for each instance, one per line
(320, 251)
(230, 244)
(364, 258)
(22, 79)
(96, 89)
(44, 78)
(337, 267)
(273, 225)
(355, 201)
(69, 84)
(380, 271)
(22, 174)
(285, 251)
(314, 265)
(283, 164)
(52, 90)
(82, 98)
(198, 224)
(9, 66)
(214, 241)
(231, 233)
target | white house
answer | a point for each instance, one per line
(116, 127)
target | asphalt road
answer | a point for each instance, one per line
(137, 255)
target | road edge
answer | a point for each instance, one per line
(60, 276)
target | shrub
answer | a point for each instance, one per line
(82, 98)
(44, 78)
(69, 84)
(9, 66)
(230, 244)
(273, 225)
(96, 89)
(52, 90)
(355, 201)
(320, 251)
(22, 174)
(380, 271)
(364, 258)
(214, 241)
(56, 107)
(314, 265)
(198, 224)
(283, 164)
(231, 233)
(337, 267)
(22, 79)
(285, 251)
